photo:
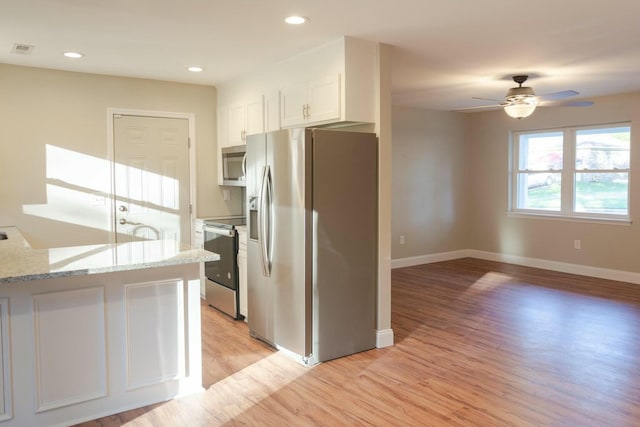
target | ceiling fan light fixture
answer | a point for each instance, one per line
(520, 107)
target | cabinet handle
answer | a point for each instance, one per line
(308, 113)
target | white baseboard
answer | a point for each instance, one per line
(384, 338)
(428, 259)
(564, 267)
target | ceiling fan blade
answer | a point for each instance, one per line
(478, 108)
(568, 104)
(486, 99)
(558, 95)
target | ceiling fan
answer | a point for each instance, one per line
(521, 101)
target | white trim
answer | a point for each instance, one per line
(564, 267)
(623, 220)
(428, 259)
(48, 395)
(191, 118)
(6, 365)
(384, 338)
(568, 194)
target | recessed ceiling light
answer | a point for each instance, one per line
(295, 20)
(195, 69)
(74, 55)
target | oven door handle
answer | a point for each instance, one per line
(220, 231)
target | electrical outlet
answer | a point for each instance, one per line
(402, 240)
(577, 244)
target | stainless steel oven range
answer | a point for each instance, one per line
(222, 276)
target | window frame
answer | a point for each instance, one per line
(568, 175)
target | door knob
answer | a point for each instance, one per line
(122, 221)
(122, 208)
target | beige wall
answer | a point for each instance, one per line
(47, 113)
(429, 185)
(603, 245)
(450, 188)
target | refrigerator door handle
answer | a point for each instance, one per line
(269, 222)
(264, 216)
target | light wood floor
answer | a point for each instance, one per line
(478, 343)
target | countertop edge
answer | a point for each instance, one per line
(19, 246)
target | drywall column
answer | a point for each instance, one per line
(384, 333)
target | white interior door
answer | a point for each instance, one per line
(151, 186)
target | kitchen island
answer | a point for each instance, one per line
(89, 331)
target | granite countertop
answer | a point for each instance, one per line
(19, 262)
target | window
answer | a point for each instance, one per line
(573, 172)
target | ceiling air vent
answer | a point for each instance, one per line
(22, 49)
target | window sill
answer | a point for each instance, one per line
(576, 218)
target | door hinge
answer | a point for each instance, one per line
(188, 142)
(190, 209)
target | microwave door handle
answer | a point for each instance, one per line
(244, 165)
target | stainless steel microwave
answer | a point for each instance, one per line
(234, 161)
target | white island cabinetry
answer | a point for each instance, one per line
(90, 331)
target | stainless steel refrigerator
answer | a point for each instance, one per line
(312, 241)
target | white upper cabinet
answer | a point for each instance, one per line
(235, 122)
(246, 118)
(255, 117)
(223, 126)
(311, 102)
(272, 111)
(332, 84)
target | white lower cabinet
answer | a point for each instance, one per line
(242, 268)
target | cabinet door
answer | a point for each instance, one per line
(255, 117)
(272, 111)
(223, 127)
(223, 137)
(292, 103)
(236, 121)
(324, 99)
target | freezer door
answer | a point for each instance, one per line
(289, 158)
(345, 226)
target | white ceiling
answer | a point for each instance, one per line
(446, 51)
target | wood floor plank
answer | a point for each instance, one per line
(478, 343)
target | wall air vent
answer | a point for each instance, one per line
(22, 48)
